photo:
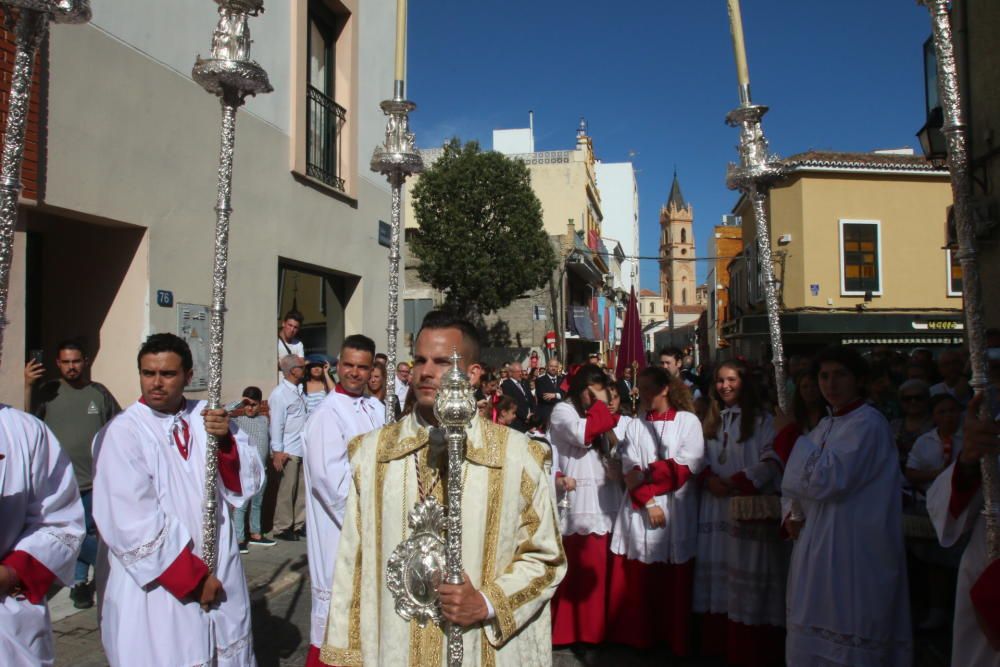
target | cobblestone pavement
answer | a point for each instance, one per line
(278, 581)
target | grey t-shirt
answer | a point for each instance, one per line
(75, 416)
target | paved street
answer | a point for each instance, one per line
(278, 579)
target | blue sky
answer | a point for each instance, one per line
(657, 77)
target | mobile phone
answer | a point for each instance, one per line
(36, 356)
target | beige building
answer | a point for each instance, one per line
(858, 254)
(117, 242)
(579, 303)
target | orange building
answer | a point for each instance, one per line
(728, 244)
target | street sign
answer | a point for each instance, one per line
(384, 234)
(164, 298)
(192, 326)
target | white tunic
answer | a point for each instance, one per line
(848, 603)
(595, 501)
(733, 576)
(148, 507)
(41, 515)
(646, 442)
(968, 646)
(337, 420)
(927, 453)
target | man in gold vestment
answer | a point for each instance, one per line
(511, 547)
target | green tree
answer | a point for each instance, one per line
(481, 239)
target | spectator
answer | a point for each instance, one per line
(288, 341)
(257, 428)
(402, 382)
(547, 390)
(75, 409)
(628, 391)
(287, 406)
(376, 382)
(672, 361)
(914, 397)
(881, 394)
(317, 381)
(951, 365)
(488, 395)
(518, 389)
(807, 402)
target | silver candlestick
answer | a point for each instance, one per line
(396, 159)
(956, 134)
(754, 175)
(29, 20)
(454, 408)
(230, 74)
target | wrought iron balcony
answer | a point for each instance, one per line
(325, 120)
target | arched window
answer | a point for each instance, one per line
(684, 235)
(652, 307)
(684, 296)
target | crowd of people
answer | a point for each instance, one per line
(674, 506)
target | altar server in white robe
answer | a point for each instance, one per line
(41, 530)
(848, 603)
(161, 605)
(581, 429)
(955, 503)
(511, 552)
(655, 535)
(344, 414)
(741, 566)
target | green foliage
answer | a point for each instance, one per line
(481, 239)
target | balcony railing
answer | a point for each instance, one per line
(325, 120)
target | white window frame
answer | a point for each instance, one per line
(947, 274)
(840, 250)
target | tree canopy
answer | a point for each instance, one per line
(481, 239)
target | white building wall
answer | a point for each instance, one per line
(620, 205)
(133, 142)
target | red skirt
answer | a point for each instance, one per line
(742, 645)
(312, 658)
(579, 607)
(650, 604)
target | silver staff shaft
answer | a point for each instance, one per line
(231, 75)
(956, 134)
(454, 572)
(392, 407)
(29, 32)
(396, 158)
(217, 322)
(455, 408)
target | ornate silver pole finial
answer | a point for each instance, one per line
(756, 172)
(956, 134)
(29, 20)
(396, 158)
(455, 408)
(232, 75)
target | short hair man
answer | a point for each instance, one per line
(402, 382)
(510, 542)
(344, 414)
(258, 430)
(288, 337)
(547, 390)
(518, 388)
(75, 408)
(671, 359)
(162, 605)
(287, 407)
